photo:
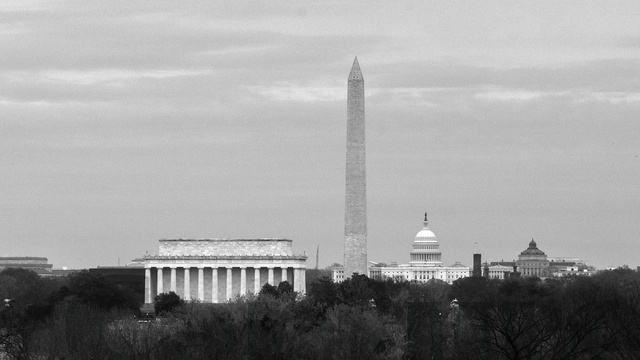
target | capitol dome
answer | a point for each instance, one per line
(425, 250)
(425, 234)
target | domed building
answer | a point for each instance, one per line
(533, 261)
(425, 262)
(425, 250)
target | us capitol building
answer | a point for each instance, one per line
(425, 263)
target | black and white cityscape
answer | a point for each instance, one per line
(312, 180)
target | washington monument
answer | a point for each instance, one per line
(355, 216)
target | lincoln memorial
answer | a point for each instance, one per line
(215, 270)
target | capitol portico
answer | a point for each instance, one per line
(215, 270)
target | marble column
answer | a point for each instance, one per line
(200, 283)
(243, 280)
(298, 279)
(256, 285)
(270, 279)
(283, 277)
(147, 286)
(214, 285)
(187, 284)
(160, 287)
(229, 284)
(303, 281)
(172, 285)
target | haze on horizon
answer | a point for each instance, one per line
(122, 123)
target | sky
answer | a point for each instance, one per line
(124, 122)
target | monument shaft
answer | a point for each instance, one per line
(355, 224)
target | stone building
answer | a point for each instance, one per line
(215, 270)
(425, 263)
(425, 250)
(499, 271)
(533, 262)
(569, 266)
(529, 260)
(38, 264)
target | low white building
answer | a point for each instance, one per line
(215, 270)
(38, 264)
(499, 271)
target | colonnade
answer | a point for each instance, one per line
(217, 283)
(531, 271)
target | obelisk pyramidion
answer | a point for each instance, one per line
(355, 217)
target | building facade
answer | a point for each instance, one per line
(216, 270)
(425, 263)
(569, 266)
(558, 266)
(38, 264)
(533, 262)
(499, 271)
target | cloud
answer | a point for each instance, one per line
(613, 97)
(629, 42)
(295, 93)
(12, 6)
(113, 75)
(438, 84)
(517, 95)
(613, 74)
(163, 115)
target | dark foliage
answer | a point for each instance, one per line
(356, 291)
(521, 318)
(269, 290)
(311, 275)
(95, 290)
(284, 290)
(323, 291)
(167, 302)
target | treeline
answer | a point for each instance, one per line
(523, 318)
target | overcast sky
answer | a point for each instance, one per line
(123, 122)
